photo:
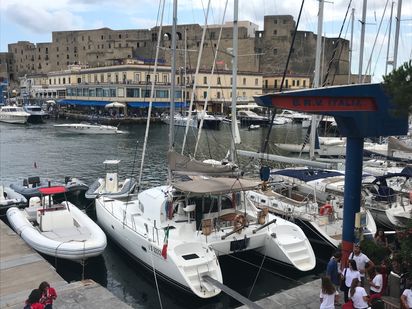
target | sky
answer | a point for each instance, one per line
(34, 21)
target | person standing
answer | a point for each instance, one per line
(33, 301)
(332, 269)
(376, 283)
(406, 297)
(48, 295)
(363, 263)
(350, 273)
(358, 295)
(328, 294)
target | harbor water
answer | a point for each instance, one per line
(40, 150)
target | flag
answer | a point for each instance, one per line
(165, 243)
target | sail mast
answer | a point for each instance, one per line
(398, 25)
(316, 78)
(362, 41)
(172, 83)
(235, 135)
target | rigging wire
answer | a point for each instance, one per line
(161, 13)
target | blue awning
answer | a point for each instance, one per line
(83, 102)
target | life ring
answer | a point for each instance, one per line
(239, 222)
(325, 210)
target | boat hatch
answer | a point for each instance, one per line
(237, 245)
(191, 256)
(52, 190)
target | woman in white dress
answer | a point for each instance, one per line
(376, 283)
(328, 294)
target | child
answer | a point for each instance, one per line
(48, 294)
(328, 294)
(33, 302)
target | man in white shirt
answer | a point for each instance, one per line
(406, 297)
(361, 261)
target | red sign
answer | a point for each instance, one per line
(325, 104)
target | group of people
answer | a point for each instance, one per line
(351, 281)
(41, 298)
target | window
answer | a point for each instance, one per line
(165, 79)
(106, 92)
(275, 32)
(146, 93)
(205, 80)
(99, 92)
(218, 94)
(102, 78)
(276, 83)
(133, 92)
(102, 37)
(218, 81)
(275, 51)
(266, 84)
(212, 35)
(244, 81)
(204, 94)
(148, 78)
(304, 83)
(285, 21)
(286, 83)
(293, 83)
(256, 82)
(162, 94)
(275, 21)
(137, 77)
(297, 82)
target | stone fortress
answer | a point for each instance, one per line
(264, 51)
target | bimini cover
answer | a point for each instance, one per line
(52, 190)
(216, 185)
(307, 174)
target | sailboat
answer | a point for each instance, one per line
(180, 229)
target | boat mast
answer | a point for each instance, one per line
(172, 84)
(351, 46)
(362, 42)
(398, 24)
(316, 78)
(234, 79)
(389, 40)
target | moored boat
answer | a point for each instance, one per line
(13, 114)
(57, 229)
(110, 186)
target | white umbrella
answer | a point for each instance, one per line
(115, 104)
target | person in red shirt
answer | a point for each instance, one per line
(48, 295)
(33, 302)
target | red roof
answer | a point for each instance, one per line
(52, 190)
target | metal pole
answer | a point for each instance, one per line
(398, 24)
(173, 78)
(362, 42)
(234, 78)
(389, 39)
(352, 194)
(351, 46)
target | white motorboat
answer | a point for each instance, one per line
(37, 114)
(9, 197)
(295, 117)
(248, 118)
(110, 186)
(201, 219)
(85, 128)
(181, 120)
(60, 230)
(253, 127)
(13, 114)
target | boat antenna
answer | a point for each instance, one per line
(149, 112)
(266, 142)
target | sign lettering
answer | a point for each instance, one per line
(326, 104)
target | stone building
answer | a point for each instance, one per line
(259, 51)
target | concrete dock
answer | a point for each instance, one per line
(22, 269)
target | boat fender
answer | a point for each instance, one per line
(410, 196)
(326, 209)
(239, 222)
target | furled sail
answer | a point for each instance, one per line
(180, 164)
